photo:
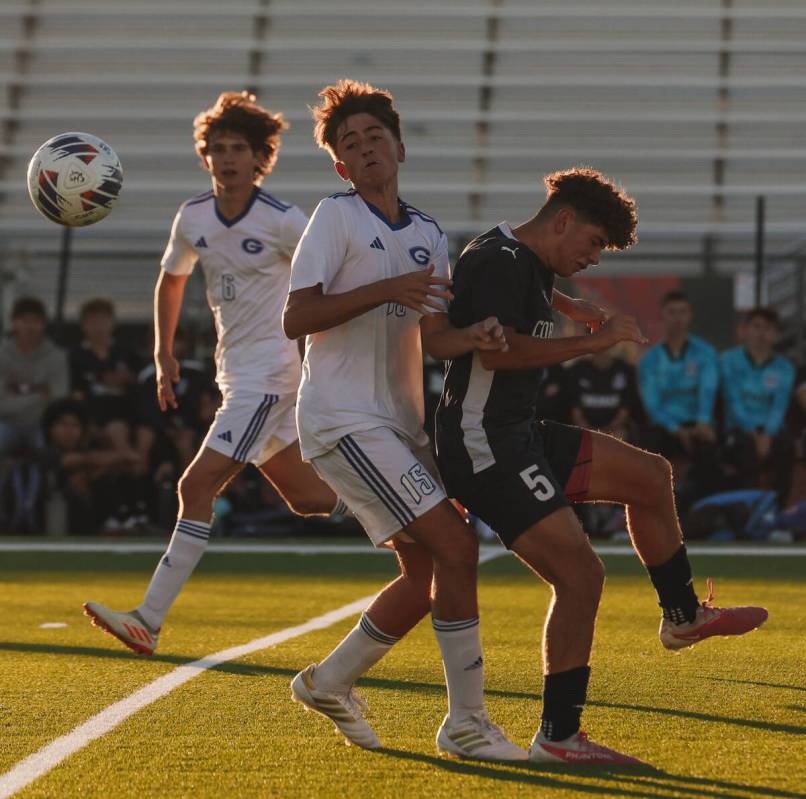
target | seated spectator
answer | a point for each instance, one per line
(89, 483)
(104, 374)
(678, 379)
(757, 386)
(33, 371)
(552, 396)
(603, 395)
(197, 400)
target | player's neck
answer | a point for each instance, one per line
(232, 200)
(676, 342)
(384, 197)
(531, 234)
(759, 355)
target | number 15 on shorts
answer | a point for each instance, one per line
(537, 483)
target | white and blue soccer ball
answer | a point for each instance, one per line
(74, 179)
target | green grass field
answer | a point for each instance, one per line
(725, 719)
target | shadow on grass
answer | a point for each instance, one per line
(256, 670)
(756, 682)
(631, 781)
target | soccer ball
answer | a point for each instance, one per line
(74, 179)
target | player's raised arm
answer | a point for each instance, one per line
(578, 310)
(527, 352)
(443, 341)
(309, 310)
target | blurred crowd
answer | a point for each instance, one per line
(85, 448)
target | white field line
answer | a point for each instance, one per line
(124, 548)
(50, 755)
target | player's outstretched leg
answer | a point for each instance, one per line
(327, 688)
(643, 482)
(198, 486)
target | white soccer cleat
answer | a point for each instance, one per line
(477, 737)
(129, 628)
(578, 750)
(345, 710)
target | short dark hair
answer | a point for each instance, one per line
(674, 296)
(598, 200)
(238, 112)
(63, 407)
(29, 305)
(97, 305)
(348, 97)
(767, 314)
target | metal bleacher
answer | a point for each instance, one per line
(695, 106)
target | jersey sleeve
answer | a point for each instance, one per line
(442, 268)
(487, 285)
(321, 250)
(179, 257)
(294, 222)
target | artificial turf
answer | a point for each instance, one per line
(724, 719)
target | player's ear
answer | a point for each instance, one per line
(341, 170)
(562, 220)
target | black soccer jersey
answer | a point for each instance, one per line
(484, 416)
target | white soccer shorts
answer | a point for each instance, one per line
(251, 427)
(386, 481)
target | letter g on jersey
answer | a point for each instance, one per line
(252, 246)
(420, 255)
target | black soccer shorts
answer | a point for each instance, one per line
(511, 496)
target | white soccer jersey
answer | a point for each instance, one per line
(246, 263)
(367, 372)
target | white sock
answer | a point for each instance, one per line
(460, 645)
(175, 567)
(358, 652)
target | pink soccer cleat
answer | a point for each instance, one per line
(578, 750)
(711, 621)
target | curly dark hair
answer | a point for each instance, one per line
(597, 200)
(348, 97)
(238, 112)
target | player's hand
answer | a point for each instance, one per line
(167, 375)
(587, 313)
(620, 328)
(419, 290)
(488, 335)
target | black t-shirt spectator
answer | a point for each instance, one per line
(601, 392)
(91, 376)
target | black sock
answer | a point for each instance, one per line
(675, 587)
(563, 699)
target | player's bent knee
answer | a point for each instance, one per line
(656, 477)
